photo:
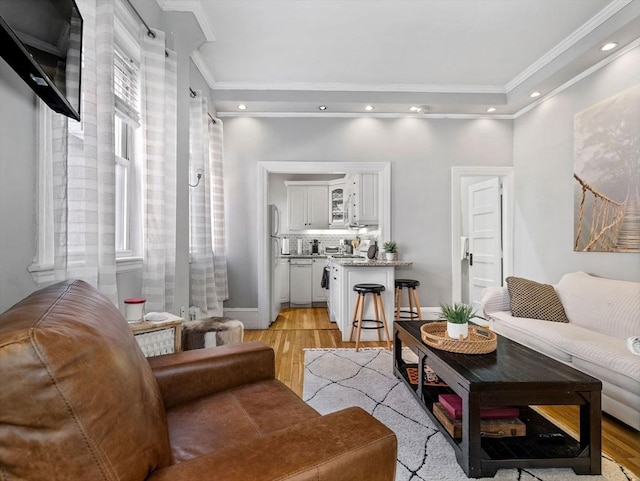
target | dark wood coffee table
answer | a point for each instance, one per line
(513, 375)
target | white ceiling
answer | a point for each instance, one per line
(287, 57)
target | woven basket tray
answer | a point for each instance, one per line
(480, 340)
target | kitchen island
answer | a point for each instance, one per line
(348, 271)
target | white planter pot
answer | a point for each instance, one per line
(389, 255)
(456, 330)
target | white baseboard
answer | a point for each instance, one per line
(247, 315)
(430, 313)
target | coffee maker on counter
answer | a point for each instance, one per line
(315, 246)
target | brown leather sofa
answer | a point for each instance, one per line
(79, 401)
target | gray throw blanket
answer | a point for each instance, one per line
(227, 331)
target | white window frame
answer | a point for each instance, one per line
(131, 257)
(123, 205)
(42, 267)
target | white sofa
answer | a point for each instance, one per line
(603, 314)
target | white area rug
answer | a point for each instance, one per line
(338, 378)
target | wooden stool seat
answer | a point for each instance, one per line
(357, 320)
(412, 295)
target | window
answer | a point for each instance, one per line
(128, 175)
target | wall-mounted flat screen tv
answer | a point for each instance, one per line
(42, 41)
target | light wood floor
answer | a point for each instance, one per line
(298, 329)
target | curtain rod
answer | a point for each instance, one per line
(150, 32)
(193, 94)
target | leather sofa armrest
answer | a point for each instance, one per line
(495, 299)
(189, 375)
(348, 445)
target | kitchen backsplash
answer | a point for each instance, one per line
(325, 240)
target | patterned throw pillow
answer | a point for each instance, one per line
(535, 301)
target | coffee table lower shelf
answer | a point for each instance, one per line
(508, 452)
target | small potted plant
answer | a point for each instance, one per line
(457, 317)
(390, 249)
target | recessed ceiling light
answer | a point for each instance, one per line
(533, 95)
(415, 109)
(322, 107)
(608, 46)
(491, 109)
(242, 107)
(369, 107)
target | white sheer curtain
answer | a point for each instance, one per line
(83, 164)
(159, 120)
(216, 153)
(208, 269)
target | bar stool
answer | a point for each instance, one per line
(412, 294)
(358, 312)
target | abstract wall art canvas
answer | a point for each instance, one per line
(607, 175)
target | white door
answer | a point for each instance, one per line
(485, 239)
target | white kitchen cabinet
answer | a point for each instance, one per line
(282, 274)
(318, 293)
(363, 195)
(337, 203)
(366, 275)
(342, 297)
(317, 212)
(368, 201)
(335, 292)
(297, 207)
(307, 206)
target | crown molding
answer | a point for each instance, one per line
(361, 87)
(594, 68)
(195, 7)
(348, 115)
(202, 66)
(575, 37)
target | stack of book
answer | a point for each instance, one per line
(430, 377)
(494, 421)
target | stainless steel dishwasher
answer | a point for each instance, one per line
(300, 285)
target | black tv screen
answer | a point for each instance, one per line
(42, 41)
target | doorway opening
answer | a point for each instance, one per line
(491, 189)
(383, 169)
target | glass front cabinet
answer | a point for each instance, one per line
(337, 203)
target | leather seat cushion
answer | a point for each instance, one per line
(232, 417)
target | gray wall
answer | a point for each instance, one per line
(17, 186)
(421, 152)
(543, 160)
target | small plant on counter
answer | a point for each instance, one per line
(390, 247)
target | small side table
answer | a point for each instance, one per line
(159, 337)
